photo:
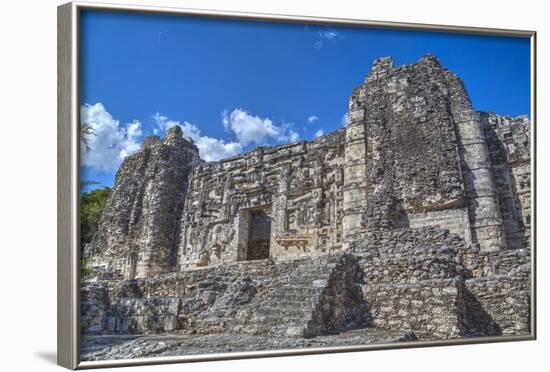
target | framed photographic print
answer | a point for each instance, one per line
(235, 185)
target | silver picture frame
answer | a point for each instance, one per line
(68, 162)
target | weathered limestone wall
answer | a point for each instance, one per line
(449, 308)
(415, 282)
(479, 182)
(508, 141)
(355, 175)
(402, 152)
(455, 220)
(413, 255)
(437, 285)
(417, 154)
(432, 309)
(481, 264)
(429, 199)
(499, 304)
(94, 303)
(414, 154)
(138, 231)
(297, 188)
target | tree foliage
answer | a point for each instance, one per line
(87, 183)
(86, 130)
(92, 204)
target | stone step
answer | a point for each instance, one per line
(298, 287)
(271, 321)
(291, 304)
(301, 282)
(286, 312)
(305, 290)
(296, 298)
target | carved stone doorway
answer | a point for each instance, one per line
(254, 234)
(259, 234)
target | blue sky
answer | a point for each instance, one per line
(233, 84)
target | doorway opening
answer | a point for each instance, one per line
(255, 234)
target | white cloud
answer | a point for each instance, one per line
(345, 120)
(326, 35)
(250, 128)
(111, 141)
(225, 120)
(293, 136)
(312, 119)
(210, 149)
(319, 133)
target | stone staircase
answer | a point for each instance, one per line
(296, 300)
(299, 298)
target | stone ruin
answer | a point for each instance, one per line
(415, 217)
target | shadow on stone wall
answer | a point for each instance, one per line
(476, 320)
(341, 306)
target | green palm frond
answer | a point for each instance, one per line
(86, 130)
(86, 183)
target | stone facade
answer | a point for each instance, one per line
(415, 218)
(509, 149)
(297, 188)
(423, 156)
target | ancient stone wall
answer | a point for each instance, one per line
(404, 134)
(508, 141)
(413, 255)
(278, 202)
(432, 309)
(414, 281)
(455, 220)
(481, 264)
(434, 283)
(498, 304)
(414, 154)
(429, 199)
(417, 154)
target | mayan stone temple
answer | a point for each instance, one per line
(411, 223)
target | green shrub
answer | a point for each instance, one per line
(92, 204)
